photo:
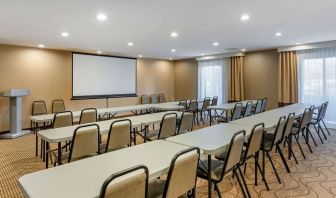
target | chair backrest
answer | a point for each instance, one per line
(263, 105)
(325, 109)
(193, 105)
(254, 141)
(237, 111)
(119, 134)
(39, 108)
(183, 103)
(186, 123)
(206, 103)
(154, 99)
(62, 119)
(162, 98)
(235, 150)
(214, 101)
(311, 113)
(144, 99)
(88, 115)
(85, 142)
(182, 173)
(134, 186)
(304, 119)
(258, 106)
(288, 126)
(58, 106)
(168, 125)
(248, 108)
(278, 132)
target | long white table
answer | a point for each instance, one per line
(113, 110)
(84, 178)
(59, 135)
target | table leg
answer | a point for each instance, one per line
(289, 146)
(134, 132)
(47, 155)
(145, 140)
(59, 154)
(210, 116)
(209, 177)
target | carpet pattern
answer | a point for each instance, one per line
(313, 177)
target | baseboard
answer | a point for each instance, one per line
(4, 132)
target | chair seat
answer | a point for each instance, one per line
(102, 148)
(295, 130)
(268, 140)
(216, 169)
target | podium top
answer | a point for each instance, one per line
(15, 93)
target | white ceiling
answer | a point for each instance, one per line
(148, 24)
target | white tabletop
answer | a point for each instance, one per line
(211, 140)
(229, 106)
(65, 133)
(271, 118)
(84, 178)
(113, 110)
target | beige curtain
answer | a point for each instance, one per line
(236, 88)
(288, 78)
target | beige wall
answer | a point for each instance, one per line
(185, 72)
(261, 76)
(47, 73)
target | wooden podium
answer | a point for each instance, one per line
(15, 96)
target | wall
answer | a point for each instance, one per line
(47, 73)
(261, 76)
(185, 73)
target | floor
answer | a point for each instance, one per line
(313, 177)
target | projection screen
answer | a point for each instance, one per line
(96, 76)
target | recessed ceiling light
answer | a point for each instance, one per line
(173, 50)
(140, 56)
(243, 50)
(41, 46)
(101, 17)
(99, 52)
(170, 58)
(65, 34)
(174, 34)
(215, 44)
(297, 43)
(130, 44)
(244, 17)
(278, 34)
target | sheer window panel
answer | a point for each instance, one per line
(317, 79)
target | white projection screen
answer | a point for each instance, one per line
(96, 76)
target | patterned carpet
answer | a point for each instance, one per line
(313, 177)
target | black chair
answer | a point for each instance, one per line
(135, 186)
(204, 111)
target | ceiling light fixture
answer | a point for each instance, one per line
(174, 34)
(297, 43)
(65, 34)
(278, 34)
(101, 17)
(244, 17)
(41, 46)
(243, 50)
(130, 44)
(173, 50)
(140, 56)
(170, 58)
(215, 44)
(99, 52)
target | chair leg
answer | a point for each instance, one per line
(283, 158)
(262, 175)
(311, 135)
(318, 133)
(324, 135)
(245, 168)
(274, 169)
(240, 183)
(297, 141)
(217, 190)
(307, 142)
(244, 182)
(291, 150)
(325, 127)
(36, 144)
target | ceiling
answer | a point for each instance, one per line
(148, 24)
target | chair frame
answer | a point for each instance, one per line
(110, 131)
(257, 107)
(74, 138)
(171, 169)
(168, 114)
(88, 109)
(179, 126)
(52, 105)
(122, 173)
(246, 108)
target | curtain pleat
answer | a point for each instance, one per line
(236, 87)
(288, 78)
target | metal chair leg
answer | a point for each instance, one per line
(240, 183)
(262, 175)
(283, 158)
(324, 135)
(318, 133)
(244, 182)
(217, 190)
(325, 127)
(291, 150)
(297, 141)
(274, 169)
(311, 135)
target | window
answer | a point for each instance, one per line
(213, 78)
(317, 79)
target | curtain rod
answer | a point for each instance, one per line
(218, 56)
